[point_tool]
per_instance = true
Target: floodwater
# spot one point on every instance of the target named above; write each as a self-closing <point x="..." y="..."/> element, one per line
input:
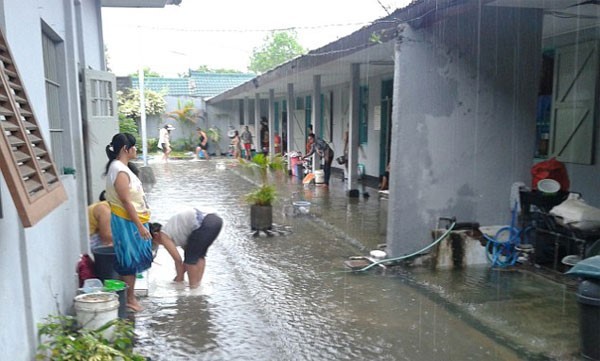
<point x="288" y="297"/>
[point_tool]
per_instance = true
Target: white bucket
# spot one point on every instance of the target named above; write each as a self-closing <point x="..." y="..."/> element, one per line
<point x="319" y="176"/>
<point x="94" y="310"/>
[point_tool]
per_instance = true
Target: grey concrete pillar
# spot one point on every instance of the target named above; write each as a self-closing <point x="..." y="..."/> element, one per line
<point x="316" y="116"/>
<point x="291" y="107"/>
<point x="352" y="184"/>
<point x="271" y="121"/>
<point x="257" y="140"/>
<point x="246" y="111"/>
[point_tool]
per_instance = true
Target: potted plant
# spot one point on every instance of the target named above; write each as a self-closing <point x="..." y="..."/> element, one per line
<point x="261" y="199"/>
<point x="62" y="339"/>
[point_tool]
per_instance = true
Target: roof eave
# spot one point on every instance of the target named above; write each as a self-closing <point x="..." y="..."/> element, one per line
<point x="139" y="3"/>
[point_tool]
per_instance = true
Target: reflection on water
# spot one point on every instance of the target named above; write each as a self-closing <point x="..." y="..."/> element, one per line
<point x="289" y="298"/>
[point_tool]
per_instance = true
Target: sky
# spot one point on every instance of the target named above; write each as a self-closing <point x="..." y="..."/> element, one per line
<point x="223" y="33"/>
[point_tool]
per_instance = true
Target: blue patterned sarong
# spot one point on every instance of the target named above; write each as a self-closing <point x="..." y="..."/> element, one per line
<point x="133" y="253"/>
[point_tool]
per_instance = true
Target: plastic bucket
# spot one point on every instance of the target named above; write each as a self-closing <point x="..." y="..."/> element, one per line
<point x="94" y="310"/>
<point x="319" y="176"/>
<point x="104" y="260"/>
<point x="294" y="161"/>
<point x="120" y="288"/>
<point x="299" y="171"/>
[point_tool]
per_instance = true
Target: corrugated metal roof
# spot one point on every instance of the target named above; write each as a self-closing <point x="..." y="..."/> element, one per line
<point x="197" y="85"/>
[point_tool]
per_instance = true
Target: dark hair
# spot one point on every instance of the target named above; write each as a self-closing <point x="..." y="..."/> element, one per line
<point x="119" y="141"/>
<point x="198" y="129"/>
<point x="155" y="227"/>
<point x="102" y="196"/>
<point x="311" y="135"/>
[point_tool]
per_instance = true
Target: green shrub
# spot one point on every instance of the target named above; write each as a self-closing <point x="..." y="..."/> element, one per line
<point x="62" y="339"/>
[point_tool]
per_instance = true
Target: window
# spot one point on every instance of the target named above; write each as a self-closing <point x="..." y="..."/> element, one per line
<point x="308" y="113"/>
<point x="363" y="114"/>
<point x="58" y="139"/>
<point x="102" y="98"/>
<point x="26" y="164"/>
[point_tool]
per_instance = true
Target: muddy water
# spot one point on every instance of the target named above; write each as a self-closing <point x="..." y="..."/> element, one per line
<point x="288" y="297"/>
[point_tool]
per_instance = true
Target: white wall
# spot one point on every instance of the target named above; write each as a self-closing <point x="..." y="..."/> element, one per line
<point x="37" y="264"/>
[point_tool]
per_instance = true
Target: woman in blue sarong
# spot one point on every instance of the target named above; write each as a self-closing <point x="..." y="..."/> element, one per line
<point x="129" y="214"/>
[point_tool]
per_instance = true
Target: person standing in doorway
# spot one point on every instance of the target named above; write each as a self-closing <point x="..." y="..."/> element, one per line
<point x="264" y="135"/>
<point x="247" y="142"/>
<point x="194" y="231"/>
<point x="129" y="214"/>
<point x="277" y="143"/>
<point x="202" y="144"/>
<point x="324" y="150"/>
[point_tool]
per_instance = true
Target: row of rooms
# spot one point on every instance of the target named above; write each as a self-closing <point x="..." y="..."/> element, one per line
<point x="461" y="114"/>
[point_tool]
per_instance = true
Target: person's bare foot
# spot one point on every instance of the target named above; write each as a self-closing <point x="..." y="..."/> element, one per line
<point x="134" y="306"/>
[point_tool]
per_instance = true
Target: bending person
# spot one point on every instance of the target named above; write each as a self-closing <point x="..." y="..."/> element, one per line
<point x="99" y="223"/>
<point x="130" y="214"/>
<point x="194" y="231"/>
<point x="322" y="148"/>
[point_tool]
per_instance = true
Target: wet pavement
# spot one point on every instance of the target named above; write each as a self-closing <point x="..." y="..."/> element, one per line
<point x="289" y="297"/>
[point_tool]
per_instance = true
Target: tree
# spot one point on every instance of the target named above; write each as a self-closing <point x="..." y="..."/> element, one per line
<point x="148" y="73"/>
<point x="278" y="47"/>
<point x="207" y="69"/>
<point x="129" y="103"/>
<point x="185" y="113"/>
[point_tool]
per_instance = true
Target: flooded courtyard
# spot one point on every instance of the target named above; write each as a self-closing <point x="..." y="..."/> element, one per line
<point x="289" y="297"/>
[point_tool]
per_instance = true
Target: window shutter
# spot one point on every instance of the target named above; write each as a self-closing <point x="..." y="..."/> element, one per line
<point x="26" y="164"/>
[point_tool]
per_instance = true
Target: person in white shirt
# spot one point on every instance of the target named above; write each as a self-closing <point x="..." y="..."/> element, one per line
<point x="164" y="140"/>
<point x="130" y="214"/>
<point x="194" y="231"/>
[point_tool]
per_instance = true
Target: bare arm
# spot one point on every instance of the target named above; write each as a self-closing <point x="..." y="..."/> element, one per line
<point x="205" y="138"/>
<point x="170" y="246"/>
<point x="102" y="214"/>
<point x="122" y="189"/>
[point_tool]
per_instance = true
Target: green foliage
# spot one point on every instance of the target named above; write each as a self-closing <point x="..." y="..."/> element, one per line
<point x="152" y="145"/>
<point x="278" y="47"/>
<point x="129" y="103"/>
<point x="148" y="73"/>
<point x="265" y="194"/>
<point x="61" y="339"/>
<point x="182" y="145"/>
<point x="375" y="38"/>
<point x="128" y="125"/>
<point x="185" y="112"/>
<point x="214" y="134"/>
<point x="206" y="69"/>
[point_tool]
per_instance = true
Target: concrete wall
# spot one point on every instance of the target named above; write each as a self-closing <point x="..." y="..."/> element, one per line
<point x="463" y="120"/>
<point x="37" y="264"/>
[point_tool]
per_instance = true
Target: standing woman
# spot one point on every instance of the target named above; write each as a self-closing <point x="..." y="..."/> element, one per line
<point x="236" y="142"/>
<point x="129" y="214"/>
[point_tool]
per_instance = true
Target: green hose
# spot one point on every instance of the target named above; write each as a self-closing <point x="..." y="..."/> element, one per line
<point x="450" y="228"/>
